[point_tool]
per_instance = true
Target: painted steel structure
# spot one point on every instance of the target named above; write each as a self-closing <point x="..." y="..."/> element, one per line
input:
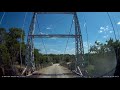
<point x="79" y="50"/>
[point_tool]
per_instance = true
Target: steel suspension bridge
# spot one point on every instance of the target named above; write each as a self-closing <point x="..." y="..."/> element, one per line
<point x="79" y="49"/>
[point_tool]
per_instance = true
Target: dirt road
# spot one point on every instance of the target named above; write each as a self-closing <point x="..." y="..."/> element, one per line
<point x="54" y="71"/>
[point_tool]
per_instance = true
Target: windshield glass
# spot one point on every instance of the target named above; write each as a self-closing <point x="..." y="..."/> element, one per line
<point x="59" y="44"/>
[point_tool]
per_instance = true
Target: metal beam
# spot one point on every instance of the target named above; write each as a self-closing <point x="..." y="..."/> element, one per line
<point x="55" y="35"/>
<point x="29" y="58"/>
<point x="79" y="50"/>
<point x="55" y="12"/>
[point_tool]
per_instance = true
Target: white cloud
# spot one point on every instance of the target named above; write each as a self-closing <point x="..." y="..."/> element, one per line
<point x="107" y="26"/>
<point x="48" y="28"/>
<point x="43" y="33"/>
<point x="100" y="31"/>
<point x="101" y="27"/>
<point x="110" y="31"/>
<point x="84" y="24"/>
<point x="106" y="36"/>
<point x="118" y="23"/>
<point x="105" y="30"/>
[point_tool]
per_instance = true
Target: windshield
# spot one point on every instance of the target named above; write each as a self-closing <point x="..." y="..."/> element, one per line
<point x="59" y="45"/>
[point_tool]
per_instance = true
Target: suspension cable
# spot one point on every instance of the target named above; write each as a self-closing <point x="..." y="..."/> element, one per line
<point x="68" y="38"/>
<point x="57" y="21"/>
<point x="21" y="37"/>
<point x="87" y="37"/>
<point x="115" y="39"/>
<point x="116" y="28"/>
<point x="2" y="17"/>
<point x="41" y="38"/>
<point x="62" y="18"/>
<point x="112" y="25"/>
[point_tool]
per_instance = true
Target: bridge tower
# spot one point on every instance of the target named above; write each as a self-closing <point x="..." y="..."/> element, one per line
<point x="29" y="57"/>
<point x="79" y="50"/>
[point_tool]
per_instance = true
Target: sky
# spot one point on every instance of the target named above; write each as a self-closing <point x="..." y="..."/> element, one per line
<point x="97" y="25"/>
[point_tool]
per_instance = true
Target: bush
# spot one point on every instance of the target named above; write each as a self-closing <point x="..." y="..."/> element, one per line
<point x="90" y="68"/>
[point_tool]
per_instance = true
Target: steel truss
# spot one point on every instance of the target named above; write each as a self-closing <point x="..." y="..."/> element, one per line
<point x="79" y="50"/>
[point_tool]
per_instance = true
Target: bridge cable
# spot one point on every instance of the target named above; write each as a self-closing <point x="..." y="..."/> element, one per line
<point x="58" y="21"/>
<point x="68" y="39"/>
<point x="2" y="17"/>
<point x="113" y="30"/>
<point x="112" y="25"/>
<point x="85" y="25"/>
<point x="116" y="28"/>
<point x="114" y="35"/>
<point x="21" y="37"/>
<point x="115" y="39"/>
<point x="41" y="38"/>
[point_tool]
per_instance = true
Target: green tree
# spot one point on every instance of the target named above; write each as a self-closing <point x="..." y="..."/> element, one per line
<point x="2" y="35"/>
<point x="102" y="55"/>
<point x="37" y="56"/>
<point x="4" y="55"/>
<point x="13" y="43"/>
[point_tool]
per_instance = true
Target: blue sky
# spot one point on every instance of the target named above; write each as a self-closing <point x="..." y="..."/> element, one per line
<point x="98" y="26"/>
